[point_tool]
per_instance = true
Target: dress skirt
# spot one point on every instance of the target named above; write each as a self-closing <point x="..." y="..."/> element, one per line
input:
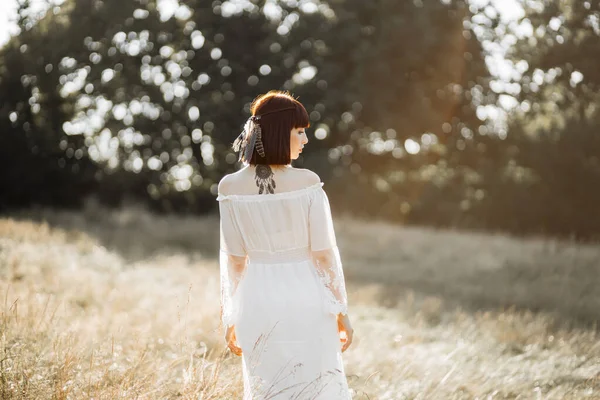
<point x="289" y="339"/>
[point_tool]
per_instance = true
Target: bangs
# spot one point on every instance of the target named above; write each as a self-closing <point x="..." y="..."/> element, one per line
<point x="300" y="118"/>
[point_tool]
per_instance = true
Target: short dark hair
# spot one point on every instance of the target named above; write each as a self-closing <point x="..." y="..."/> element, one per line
<point x="276" y="125"/>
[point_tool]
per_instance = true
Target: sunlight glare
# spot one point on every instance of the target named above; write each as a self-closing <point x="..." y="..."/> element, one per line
<point x="411" y="146"/>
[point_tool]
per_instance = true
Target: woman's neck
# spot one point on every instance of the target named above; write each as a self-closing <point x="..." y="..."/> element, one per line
<point x="274" y="166"/>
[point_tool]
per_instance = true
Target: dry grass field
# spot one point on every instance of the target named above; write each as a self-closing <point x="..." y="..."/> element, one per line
<point x="124" y="305"/>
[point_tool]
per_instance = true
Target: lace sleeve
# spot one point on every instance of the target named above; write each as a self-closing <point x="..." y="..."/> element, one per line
<point x="325" y="253"/>
<point x="232" y="263"/>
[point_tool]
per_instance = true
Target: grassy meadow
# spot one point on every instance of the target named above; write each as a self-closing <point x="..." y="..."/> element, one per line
<point x="124" y="304"/>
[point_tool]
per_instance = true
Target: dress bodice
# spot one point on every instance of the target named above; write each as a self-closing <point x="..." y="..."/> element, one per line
<point x="272" y="227"/>
<point x="278" y="232"/>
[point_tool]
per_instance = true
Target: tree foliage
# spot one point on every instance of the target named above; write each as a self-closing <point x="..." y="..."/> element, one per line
<point x="550" y="182"/>
<point x="168" y="94"/>
<point x="123" y="99"/>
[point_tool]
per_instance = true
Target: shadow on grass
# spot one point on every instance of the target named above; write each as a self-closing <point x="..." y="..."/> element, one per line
<point x="472" y="271"/>
<point x="136" y="234"/>
<point x="476" y="272"/>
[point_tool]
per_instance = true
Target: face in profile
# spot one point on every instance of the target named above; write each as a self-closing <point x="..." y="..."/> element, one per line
<point x="298" y="139"/>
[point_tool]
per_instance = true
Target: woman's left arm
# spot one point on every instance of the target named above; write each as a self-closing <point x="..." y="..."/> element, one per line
<point x="232" y="263"/>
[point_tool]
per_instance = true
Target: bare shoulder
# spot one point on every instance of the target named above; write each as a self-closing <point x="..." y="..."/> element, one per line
<point x="297" y="178"/>
<point x="227" y="183"/>
<point x="307" y="176"/>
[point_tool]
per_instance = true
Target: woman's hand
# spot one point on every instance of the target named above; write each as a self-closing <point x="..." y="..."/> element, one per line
<point x="231" y="341"/>
<point x="345" y="331"/>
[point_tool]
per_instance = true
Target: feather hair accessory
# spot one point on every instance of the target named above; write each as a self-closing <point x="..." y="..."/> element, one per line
<point x="251" y="137"/>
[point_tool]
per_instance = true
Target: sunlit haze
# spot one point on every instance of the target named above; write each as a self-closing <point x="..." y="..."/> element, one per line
<point x="504" y="71"/>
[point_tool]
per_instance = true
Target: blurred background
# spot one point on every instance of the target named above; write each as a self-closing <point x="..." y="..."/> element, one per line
<point x="476" y="114"/>
<point x="464" y="131"/>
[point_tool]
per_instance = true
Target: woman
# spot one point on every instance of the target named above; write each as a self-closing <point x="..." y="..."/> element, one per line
<point x="283" y="296"/>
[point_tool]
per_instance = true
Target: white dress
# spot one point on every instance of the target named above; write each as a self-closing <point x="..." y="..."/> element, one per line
<point x="284" y="302"/>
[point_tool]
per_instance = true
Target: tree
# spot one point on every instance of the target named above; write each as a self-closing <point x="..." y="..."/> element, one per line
<point x="40" y="164"/>
<point x="550" y="180"/>
<point x="400" y="78"/>
<point x="391" y="87"/>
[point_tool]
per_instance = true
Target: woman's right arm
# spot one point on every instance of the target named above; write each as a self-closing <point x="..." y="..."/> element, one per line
<point x="328" y="264"/>
<point x="325" y="252"/>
